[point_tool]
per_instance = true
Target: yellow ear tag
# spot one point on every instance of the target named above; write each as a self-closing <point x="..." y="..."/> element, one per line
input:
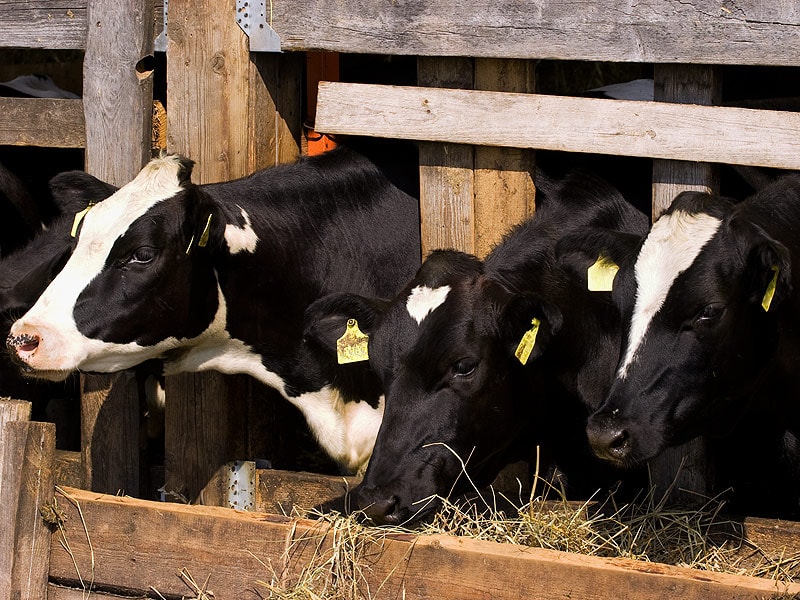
<point x="78" y="218"/>
<point x="203" y="237"/>
<point x="352" y="346"/>
<point x="601" y="274"/>
<point x="528" y="341"/>
<point x="766" y="301"/>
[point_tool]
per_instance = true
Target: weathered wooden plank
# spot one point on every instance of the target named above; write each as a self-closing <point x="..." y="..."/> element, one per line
<point x="53" y="24"/>
<point x="110" y="433"/>
<point x="141" y="546"/>
<point x="55" y="123"/>
<point x="118" y="89"/>
<point x="630" y="128"/>
<point x="11" y="410"/>
<point x="695" y="31"/>
<point x="27" y="474"/>
<point x="446" y="171"/>
<point x="68" y="468"/>
<point x="504" y="189"/>
<point x="282" y="492"/>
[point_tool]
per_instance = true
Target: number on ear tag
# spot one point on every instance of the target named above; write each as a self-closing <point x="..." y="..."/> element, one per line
<point x="353" y="345"/>
<point x="766" y="301"/>
<point x="527" y="343"/>
<point x="78" y="218"/>
<point x="601" y="274"/>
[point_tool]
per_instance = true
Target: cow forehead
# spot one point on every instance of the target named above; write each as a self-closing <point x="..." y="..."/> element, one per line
<point x="112" y="217"/>
<point x="423" y="300"/>
<point x="671" y="247"/>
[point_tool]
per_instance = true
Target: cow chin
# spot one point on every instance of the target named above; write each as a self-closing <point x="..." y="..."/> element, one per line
<point x="47" y="375"/>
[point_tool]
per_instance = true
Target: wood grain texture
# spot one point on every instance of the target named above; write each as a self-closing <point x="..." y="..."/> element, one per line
<point x="54" y="24"/>
<point x="446" y="171"/>
<point x="659" y="31"/>
<point x="110" y="424"/>
<point x="141" y="546"/>
<point x="27" y="475"/>
<point x="117" y="92"/>
<point x="54" y="123"/>
<point x="631" y="128"/>
<point x="504" y="189"/>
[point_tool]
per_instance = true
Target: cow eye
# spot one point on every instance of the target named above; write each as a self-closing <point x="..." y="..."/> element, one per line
<point x="464" y="367"/>
<point x="142" y="255"/>
<point x="709" y="313"/>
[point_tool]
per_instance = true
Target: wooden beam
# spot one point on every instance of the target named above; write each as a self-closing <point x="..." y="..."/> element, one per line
<point x="504" y="189"/>
<point x="231" y="552"/>
<point x="630" y="128"/>
<point x="54" y="123"/>
<point x="649" y="31"/>
<point x="48" y="24"/>
<point x="27" y="476"/>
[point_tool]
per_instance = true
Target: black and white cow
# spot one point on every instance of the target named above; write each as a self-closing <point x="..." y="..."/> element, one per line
<point x="714" y="334"/>
<point x="28" y="269"/>
<point x="445" y="349"/>
<point x="218" y="277"/>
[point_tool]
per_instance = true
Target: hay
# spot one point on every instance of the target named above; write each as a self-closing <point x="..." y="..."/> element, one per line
<point x="645" y="529"/>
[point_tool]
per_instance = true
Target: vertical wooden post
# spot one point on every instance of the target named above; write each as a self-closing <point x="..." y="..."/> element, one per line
<point x="110" y="430"/>
<point x="11" y="410"/>
<point x="685" y="466"/>
<point x="504" y="188"/>
<point x="28" y="485"/>
<point x="446" y="186"/>
<point x="118" y="106"/>
<point x="470" y="196"/>
<point x="232" y="113"/>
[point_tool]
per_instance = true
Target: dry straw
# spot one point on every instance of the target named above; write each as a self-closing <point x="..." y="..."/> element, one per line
<point x="646" y="529"/>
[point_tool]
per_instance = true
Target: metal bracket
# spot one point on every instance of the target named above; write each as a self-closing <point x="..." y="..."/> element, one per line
<point x="242" y="484"/>
<point x="160" y="43"/>
<point x="251" y="16"/>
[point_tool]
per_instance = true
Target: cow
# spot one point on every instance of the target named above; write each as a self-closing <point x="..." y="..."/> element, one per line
<point x="460" y="404"/>
<point x="26" y="271"/>
<point x="218" y="276"/>
<point x="712" y="342"/>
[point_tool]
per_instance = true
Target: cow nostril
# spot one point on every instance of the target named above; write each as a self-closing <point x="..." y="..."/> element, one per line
<point x="22" y="342"/>
<point x="609" y="441"/>
<point x="379" y="511"/>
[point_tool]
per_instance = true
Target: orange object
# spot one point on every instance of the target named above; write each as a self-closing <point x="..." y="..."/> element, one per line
<point x="320" y="66"/>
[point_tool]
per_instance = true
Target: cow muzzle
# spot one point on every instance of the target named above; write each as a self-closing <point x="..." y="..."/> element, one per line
<point x="610" y="439"/>
<point x="22" y="347"/>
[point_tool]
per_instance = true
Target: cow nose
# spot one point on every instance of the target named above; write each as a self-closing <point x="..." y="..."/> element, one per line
<point x="379" y="511"/>
<point x="22" y="345"/>
<point x="609" y="439"/>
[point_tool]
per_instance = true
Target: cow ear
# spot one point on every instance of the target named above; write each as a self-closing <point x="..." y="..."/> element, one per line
<point x="767" y="273"/>
<point x="72" y="191"/>
<point x="326" y="319"/>
<point x="527" y="324"/>
<point x="593" y="258"/>
<point x="205" y="224"/>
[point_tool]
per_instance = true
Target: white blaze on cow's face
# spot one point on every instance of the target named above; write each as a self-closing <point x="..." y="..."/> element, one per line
<point x="670" y="248"/>
<point x="61" y="348"/>
<point x="424" y="300"/>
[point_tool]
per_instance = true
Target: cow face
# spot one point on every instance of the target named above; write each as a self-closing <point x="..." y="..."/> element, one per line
<point x="708" y="288"/>
<point x="137" y="286"/>
<point x="444" y="352"/>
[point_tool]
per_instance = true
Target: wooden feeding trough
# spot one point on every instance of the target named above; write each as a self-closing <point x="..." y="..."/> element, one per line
<point x="478" y="120"/>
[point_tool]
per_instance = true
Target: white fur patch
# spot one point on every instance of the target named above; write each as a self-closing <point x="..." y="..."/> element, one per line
<point x="241" y="238"/>
<point x="670" y="248"/>
<point x="424" y="300"/>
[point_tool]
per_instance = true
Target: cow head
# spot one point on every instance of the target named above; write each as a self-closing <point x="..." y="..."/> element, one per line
<point x="139" y="283"/>
<point x="26" y="273"/>
<point x="444" y="350"/>
<point x="709" y="287"/>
